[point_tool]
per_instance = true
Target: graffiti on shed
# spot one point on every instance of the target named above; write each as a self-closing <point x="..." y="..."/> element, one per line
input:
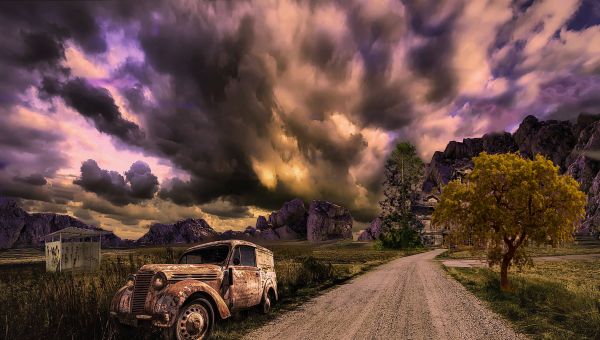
<point x="73" y="249"/>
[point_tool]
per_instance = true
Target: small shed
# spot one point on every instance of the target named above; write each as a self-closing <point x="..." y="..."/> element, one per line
<point x="73" y="249"/>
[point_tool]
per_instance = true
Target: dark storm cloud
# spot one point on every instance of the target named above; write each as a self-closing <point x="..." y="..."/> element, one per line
<point x="25" y="176"/>
<point x="431" y="60"/>
<point x="96" y="104"/>
<point x="33" y="41"/>
<point x="85" y="216"/>
<point x="143" y="183"/>
<point x="384" y="102"/>
<point x="41" y="47"/>
<point x="138" y="184"/>
<point x="225" y="209"/>
<point x="321" y="50"/>
<point x="587" y="15"/>
<point x="218" y="86"/>
<point x="33" y="179"/>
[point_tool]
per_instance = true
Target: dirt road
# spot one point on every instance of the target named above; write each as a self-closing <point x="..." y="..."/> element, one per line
<point x="408" y="298"/>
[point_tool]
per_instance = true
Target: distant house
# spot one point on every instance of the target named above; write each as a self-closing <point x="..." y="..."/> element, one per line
<point x="73" y="249"/>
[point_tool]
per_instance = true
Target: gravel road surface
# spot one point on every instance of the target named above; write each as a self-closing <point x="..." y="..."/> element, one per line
<point x="408" y="298"/>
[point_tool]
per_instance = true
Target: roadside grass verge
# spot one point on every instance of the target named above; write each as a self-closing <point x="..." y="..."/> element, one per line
<point x="469" y="252"/>
<point x="35" y="304"/>
<point x="552" y="300"/>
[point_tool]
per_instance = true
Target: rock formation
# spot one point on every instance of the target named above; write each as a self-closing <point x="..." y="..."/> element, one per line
<point x="185" y="231"/>
<point x="21" y="229"/>
<point x="574" y="147"/>
<point x="327" y="221"/>
<point x="372" y="232"/>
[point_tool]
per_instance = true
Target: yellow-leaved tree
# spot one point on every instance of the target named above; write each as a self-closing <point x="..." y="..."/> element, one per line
<point x="508" y="202"/>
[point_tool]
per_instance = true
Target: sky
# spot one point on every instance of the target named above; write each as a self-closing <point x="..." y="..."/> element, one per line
<point x="124" y="114"/>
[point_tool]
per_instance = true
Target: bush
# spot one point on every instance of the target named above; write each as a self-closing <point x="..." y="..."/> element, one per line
<point x="402" y="238"/>
<point x="314" y="272"/>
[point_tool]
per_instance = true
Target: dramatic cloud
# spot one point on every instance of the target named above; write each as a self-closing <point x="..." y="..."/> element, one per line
<point x="138" y="184"/>
<point x="97" y="104"/>
<point x="239" y="106"/>
<point x="33" y="179"/>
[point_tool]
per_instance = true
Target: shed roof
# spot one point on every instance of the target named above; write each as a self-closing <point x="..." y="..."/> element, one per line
<point x="72" y="232"/>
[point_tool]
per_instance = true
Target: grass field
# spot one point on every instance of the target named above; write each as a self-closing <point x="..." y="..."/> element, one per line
<point x="552" y="300"/>
<point x="35" y="304"/>
<point x="579" y="247"/>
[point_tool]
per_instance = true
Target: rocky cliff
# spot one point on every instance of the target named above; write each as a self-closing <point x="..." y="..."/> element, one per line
<point x="573" y="146"/>
<point x="328" y="221"/>
<point x="324" y="221"/>
<point x="21" y="229"/>
<point x="185" y="231"/>
<point x="292" y="222"/>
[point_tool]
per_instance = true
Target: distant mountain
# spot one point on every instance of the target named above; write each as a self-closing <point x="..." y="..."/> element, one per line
<point x="21" y="229"/>
<point x="574" y="147"/>
<point x="185" y="231"/>
<point x="322" y="221"/>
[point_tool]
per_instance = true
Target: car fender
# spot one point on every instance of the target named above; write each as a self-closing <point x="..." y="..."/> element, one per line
<point x="270" y="284"/>
<point x="176" y="294"/>
<point x="121" y="300"/>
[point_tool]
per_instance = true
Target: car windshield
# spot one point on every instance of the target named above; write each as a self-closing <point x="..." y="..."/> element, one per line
<point x="209" y="255"/>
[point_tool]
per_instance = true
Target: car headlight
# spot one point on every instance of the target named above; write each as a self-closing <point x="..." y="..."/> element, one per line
<point x="130" y="281"/>
<point x="159" y="281"/>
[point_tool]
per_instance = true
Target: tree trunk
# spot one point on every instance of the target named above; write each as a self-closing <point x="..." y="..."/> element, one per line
<point x="504" y="284"/>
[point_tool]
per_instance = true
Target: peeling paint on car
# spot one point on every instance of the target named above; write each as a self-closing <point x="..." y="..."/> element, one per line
<point x="140" y="303"/>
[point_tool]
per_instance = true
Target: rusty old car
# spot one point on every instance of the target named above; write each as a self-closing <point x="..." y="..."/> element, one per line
<point x="210" y="282"/>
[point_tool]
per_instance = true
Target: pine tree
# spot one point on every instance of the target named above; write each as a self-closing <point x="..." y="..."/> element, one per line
<point x="403" y="171"/>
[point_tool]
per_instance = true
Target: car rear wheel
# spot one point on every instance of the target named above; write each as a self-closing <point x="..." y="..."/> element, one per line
<point x="194" y="321"/>
<point x="267" y="302"/>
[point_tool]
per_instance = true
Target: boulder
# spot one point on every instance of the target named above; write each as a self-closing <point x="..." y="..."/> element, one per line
<point x="269" y="235"/>
<point x="327" y="221"/>
<point x="261" y="223"/>
<point x="373" y="231"/>
<point x="250" y="230"/>
<point x="292" y="214"/>
<point x="286" y="233"/>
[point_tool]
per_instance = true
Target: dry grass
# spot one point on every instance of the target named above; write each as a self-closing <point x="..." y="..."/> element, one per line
<point x="35" y="304"/>
<point x="576" y="248"/>
<point x="552" y="300"/>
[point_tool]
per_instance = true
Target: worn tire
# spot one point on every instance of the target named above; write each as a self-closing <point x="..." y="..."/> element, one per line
<point x="267" y="302"/>
<point x="195" y="320"/>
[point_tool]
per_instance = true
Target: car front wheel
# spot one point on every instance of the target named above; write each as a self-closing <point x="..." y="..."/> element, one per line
<point x="194" y="321"/>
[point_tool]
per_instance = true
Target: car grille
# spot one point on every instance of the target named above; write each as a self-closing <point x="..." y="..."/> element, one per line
<point x="201" y="277"/>
<point x="140" y="291"/>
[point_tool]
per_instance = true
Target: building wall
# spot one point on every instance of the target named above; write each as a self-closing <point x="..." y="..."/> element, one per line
<point x="72" y="255"/>
<point x="53" y="256"/>
<point x="80" y="255"/>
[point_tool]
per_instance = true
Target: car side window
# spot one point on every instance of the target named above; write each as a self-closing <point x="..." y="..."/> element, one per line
<point x="244" y="256"/>
<point x="248" y="256"/>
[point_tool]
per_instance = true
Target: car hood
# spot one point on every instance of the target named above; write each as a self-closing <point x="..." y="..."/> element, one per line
<point x="182" y="271"/>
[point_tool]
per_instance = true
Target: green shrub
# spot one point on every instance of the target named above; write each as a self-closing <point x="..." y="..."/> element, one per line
<point x="402" y="238"/>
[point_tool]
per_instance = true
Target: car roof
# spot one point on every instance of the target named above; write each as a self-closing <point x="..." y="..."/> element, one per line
<point x="231" y="243"/>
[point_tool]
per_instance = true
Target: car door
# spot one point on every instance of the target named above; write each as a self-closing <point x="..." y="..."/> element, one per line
<point x="246" y="279"/>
